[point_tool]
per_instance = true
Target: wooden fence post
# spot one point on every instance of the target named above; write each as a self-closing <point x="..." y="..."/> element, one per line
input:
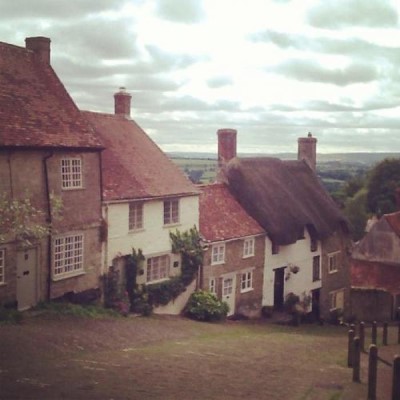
<point x="398" y="334"/>
<point x="396" y="378"/>
<point x="350" y="346"/>
<point x="361" y="330"/>
<point x="374" y="333"/>
<point x="356" y="359"/>
<point x="385" y="334"/>
<point x="353" y="328"/>
<point x="372" y="371"/>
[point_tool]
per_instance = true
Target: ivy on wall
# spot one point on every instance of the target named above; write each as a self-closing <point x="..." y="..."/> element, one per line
<point x="143" y="298"/>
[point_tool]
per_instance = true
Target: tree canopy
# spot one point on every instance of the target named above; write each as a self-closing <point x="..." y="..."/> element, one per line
<point x="384" y="180"/>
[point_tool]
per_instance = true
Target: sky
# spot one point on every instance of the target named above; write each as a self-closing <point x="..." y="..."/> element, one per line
<point x="274" y="70"/>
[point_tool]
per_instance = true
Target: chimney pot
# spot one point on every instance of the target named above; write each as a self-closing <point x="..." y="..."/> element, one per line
<point x="40" y="45"/>
<point x="122" y="102"/>
<point x="226" y="145"/>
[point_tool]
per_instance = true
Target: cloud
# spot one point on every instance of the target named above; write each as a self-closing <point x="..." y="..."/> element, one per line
<point x="311" y="71"/>
<point x="219" y="81"/>
<point x="54" y="9"/>
<point x="335" y="14"/>
<point x="187" y="11"/>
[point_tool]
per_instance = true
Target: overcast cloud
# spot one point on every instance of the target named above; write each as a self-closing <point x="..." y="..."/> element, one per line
<point x="272" y="69"/>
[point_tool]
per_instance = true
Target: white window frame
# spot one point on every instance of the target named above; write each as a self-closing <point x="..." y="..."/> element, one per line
<point x="249" y="247"/>
<point x="212" y="286"/>
<point x="334" y="299"/>
<point x="171" y="212"/>
<point x="2" y="266"/>
<point x="135" y="217"/>
<point x="157" y="268"/>
<point x="246" y="281"/>
<point x="218" y="254"/>
<point x="68" y="255"/>
<point x="71" y="173"/>
<point x="333" y="262"/>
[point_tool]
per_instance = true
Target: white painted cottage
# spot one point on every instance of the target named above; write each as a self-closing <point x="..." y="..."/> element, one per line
<point x="145" y="197"/>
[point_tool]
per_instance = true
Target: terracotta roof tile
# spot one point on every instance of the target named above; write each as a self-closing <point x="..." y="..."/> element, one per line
<point x="393" y="220"/>
<point x="134" y="167"/>
<point x="35" y="108"/>
<point x="222" y="217"/>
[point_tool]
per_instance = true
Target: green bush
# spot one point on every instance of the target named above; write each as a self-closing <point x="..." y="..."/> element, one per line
<point x="204" y="306"/>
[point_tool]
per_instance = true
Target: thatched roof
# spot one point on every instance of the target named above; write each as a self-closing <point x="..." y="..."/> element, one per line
<point x="284" y="197"/>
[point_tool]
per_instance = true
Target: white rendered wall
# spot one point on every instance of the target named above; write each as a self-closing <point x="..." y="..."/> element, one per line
<point x="154" y="238"/>
<point x="299" y="254"/>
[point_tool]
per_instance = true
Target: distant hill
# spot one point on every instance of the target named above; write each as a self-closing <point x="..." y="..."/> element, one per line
<point x="353" y="158"/>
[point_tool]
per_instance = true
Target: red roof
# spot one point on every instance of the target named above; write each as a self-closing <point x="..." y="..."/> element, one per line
<point x="222" y="217"/>
<point x="133" y="165"/>
<point x="394" y="221"/>
<point x="35" y="108"/>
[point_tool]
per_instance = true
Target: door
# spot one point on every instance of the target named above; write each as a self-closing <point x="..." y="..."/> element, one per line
<point x="315" y="304"/>
<point x="26" y="278"/>
<point x="228" y="292"/>
<point x="279" y="282"/>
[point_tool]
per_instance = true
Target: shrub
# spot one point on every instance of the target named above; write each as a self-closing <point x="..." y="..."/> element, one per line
<point x="204" y="306"/>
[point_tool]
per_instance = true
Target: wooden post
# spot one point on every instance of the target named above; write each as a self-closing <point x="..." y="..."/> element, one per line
<point x="361" y="329"/>
<point x="374" y="333"/>
<point x="356" y="359"/>
<point x="372" y="371"/>
<point x="350" y="347"/>
<point x="385" y="334"/>
<point x="396" y="378"/>
<point x="353" y="328"/>
<point x="398" y="334"/>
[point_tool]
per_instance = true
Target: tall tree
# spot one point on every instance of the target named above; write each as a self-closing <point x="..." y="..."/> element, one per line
<point x="384" y="180"/>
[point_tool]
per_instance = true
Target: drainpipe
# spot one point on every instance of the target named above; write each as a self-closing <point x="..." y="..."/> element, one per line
<point x="49" y="221"/>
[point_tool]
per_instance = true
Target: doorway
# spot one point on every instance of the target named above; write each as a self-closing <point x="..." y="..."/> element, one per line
<point x="228" y="292"/>
<point x="26" y="278"/>
<point x="279" y="286"/>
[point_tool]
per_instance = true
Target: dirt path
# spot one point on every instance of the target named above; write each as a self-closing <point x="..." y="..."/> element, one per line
<point x="172" y="358"/>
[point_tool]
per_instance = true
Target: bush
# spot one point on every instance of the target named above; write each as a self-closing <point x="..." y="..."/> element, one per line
<point x="204" y="306"/>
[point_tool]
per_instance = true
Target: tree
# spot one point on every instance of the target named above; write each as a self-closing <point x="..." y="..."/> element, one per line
<point x="356" y="212"/>
<point x="384" y="180"/>
<point x="20" y="220"/>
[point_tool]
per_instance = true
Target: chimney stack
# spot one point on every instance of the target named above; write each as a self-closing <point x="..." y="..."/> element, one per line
<point x="40" y="46"/>
<point x="307" y="150"/>
<point x="226" y="145"/>
<point x="122" y="103"/>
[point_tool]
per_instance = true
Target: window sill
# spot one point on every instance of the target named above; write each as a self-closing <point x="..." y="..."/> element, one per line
<point x="218" y="263"/>
<point x="171" y="225"/>
<point x="3" y="284"/>
<point x="246" y="290"/>
<point x="72" y="188"/>
<point x="317" y="280"/>
<point x="333" y="271"/>
<point x="133" y="231"/>
<point x="67" y="276"/>
<point x="157" y="281"/>
<point x="248" y="256"/>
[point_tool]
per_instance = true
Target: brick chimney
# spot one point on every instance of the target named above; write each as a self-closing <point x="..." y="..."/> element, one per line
<point x="40" y="45"/>
<point x="307" y="150"/>
<point x="226" y="145"/>
<point x="122" y="102"/>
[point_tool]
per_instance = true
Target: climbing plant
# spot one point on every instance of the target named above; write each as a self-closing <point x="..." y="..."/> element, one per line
<point x="20" y="220"/>
<point x="144" y="297"/>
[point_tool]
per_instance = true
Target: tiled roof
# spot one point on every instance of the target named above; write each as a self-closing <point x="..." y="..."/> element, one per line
<point x="285" y="197"/>
<point x="35" y="108"/>
<point x="222" y="217"/>
<point x="393" y="220"/>
<point x="134" y="167"/>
